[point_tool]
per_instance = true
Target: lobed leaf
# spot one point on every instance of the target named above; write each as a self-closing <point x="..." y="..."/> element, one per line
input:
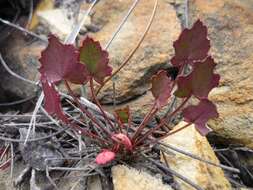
<point x="123" y="114"/>
<point x="52" y="100"/>
<point x="200" y="114"/>
<point x="192" y="45"/>
<point x="60" y="61"/>
<point x="123" y="139"/>
<point x="200" y="81"/>
<point x="95" y="59"/>
<point x="161" y="88"/>
<point x="105" y="157"/>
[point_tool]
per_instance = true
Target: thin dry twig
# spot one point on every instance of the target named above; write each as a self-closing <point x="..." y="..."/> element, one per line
<point x="135" y="49"/>
<point x="122" y="23"/>
<point x="12" y="160"/>
<point x="23" y="30"/>
<point x="13" y="73"/>
<point x="160" y="165"/>
<point x="235" y="170"/>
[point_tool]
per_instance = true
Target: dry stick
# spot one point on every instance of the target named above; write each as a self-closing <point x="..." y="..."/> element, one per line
<point x="134" y="50"/>
<point x="160" y="165"/>
<point x="89" y="105"/>
<point x="16" y="102"/>
<point x="114" y="35"/>
<point x="22" y="175"/>
<point x="30" y="14"/>
<point x="165" y="159"/>
<point x="50" y="179"/>
<point x="78" y="121"/>
<point x="4" y="152"/>
<point x="199" y="158"/>
<point x="85" y="110"/>
<point x="5" y="164"/>
<point x="34" y="139"/>
<point x="186" y="13"/>
<point x="33" y="119"/>
<point x="122" y="23"/>
<point x="23" y="30"/>
<point x="12" y="160"/>
<point x="13" y="73"/>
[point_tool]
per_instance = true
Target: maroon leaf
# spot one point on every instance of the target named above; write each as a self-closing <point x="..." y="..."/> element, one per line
<point x="161" y="88"/>
<point x="200" y="114"/>
<point x="192" y="45"/>
<point x="52" y="100"/>
<point x="95" y="59"/>
<point x="123" y="114"/>
<point x="105" y="157"/>
<point x="123" y="139"/>
<point x="200" y="81"/>
<point x="59" y="61"/>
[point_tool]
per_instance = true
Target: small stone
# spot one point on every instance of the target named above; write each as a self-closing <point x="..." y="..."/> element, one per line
<point x="206" y="176"/>
<point x="125" y="178"/>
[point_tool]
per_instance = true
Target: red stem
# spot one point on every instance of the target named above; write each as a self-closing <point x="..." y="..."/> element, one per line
<point x="98" y="104"/>
<point x="144" y="122"/>
<point x="85" y="132"/>
<point x="175" y="131"/>
<point x="163" y="121"/>
<point x="85" y="110"/>
<point x="153" y="141"/>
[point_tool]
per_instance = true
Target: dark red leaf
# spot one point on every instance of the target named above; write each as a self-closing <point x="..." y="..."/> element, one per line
<point x="105" y="157"/>
<point x="123" y="114"/>
<point x="95" y="59"/>
<point x="123" y="139"/>
<point x="161" y="88"/>
<point x="200" y="81"/>
<point x="59" y="61"/>
<point x="52" y="100"/>
<point x="200" y="114"/>
<point x="192" y="45"/>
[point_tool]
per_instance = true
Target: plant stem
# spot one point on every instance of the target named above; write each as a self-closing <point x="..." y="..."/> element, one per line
<point x="98" y="104"/>
<point x="85" y="110"/>
<point x="134" y="50"/>
<point x="144" y="122"/>
<point x="164" y="120"/>
<point x="175" y="131"/>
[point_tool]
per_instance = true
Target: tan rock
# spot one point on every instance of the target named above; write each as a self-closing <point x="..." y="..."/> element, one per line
<point x="202" y="174"/>
<point x="133" y="80"/>
<point x="230" y="29"/>
<point x="58" y="22"/>
<point x="125" y="178"/>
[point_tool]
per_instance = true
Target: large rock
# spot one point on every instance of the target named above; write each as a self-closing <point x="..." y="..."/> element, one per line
<point x="206" y="176"/>
<point x="230" y="30"/>
<point x="59" y="23"/>
<point x="133" y="80"/>
<point x="125" y="178"/>
<point x="21" y="55"/>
